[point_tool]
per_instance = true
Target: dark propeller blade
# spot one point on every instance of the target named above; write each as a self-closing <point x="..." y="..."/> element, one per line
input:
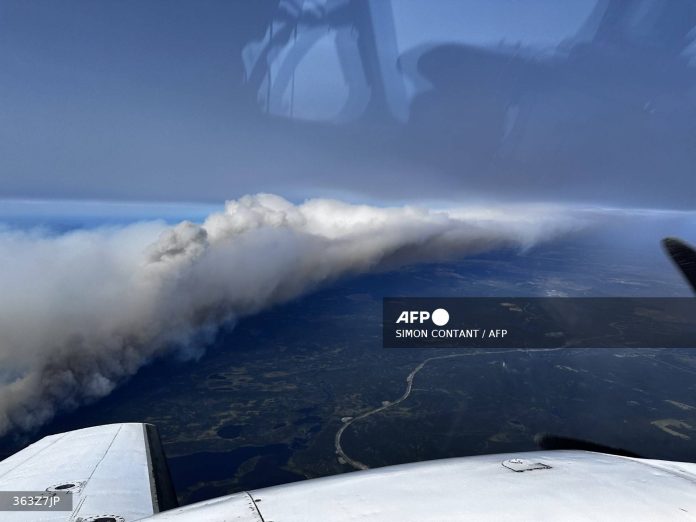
<point x="684" y="256"/>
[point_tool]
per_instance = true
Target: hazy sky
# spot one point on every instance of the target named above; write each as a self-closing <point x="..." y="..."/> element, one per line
<point x="134" y="100"/>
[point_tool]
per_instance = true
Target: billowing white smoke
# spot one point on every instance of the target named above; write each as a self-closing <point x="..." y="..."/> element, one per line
<point x="80" y="312"/>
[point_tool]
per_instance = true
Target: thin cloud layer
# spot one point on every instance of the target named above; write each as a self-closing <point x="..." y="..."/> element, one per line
<point x="82" y="311"/>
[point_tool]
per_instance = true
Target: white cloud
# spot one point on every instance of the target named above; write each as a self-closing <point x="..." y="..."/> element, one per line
<point x="82" y="311"/>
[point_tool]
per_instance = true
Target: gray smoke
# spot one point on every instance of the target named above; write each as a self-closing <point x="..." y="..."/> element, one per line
<point x="82" y="311"/>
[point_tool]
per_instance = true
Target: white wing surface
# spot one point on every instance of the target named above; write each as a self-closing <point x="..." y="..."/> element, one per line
<point x="115" y="473"/>
<point x="119" y="474"/>
<point x="539" y="486"/>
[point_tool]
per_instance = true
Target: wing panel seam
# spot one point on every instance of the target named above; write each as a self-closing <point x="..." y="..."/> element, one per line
<point x="253" y="503"/>
<point x="104" y="455"/>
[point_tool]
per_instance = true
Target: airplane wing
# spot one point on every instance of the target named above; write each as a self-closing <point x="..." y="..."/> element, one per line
<point x="118" y="474"/>
<point x="115" y="473"/>
<point x="684" y="256"/>
<point x="544" y="485"/>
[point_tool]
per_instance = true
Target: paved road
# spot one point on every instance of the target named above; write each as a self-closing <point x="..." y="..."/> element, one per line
<point x="409" y="386"/>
